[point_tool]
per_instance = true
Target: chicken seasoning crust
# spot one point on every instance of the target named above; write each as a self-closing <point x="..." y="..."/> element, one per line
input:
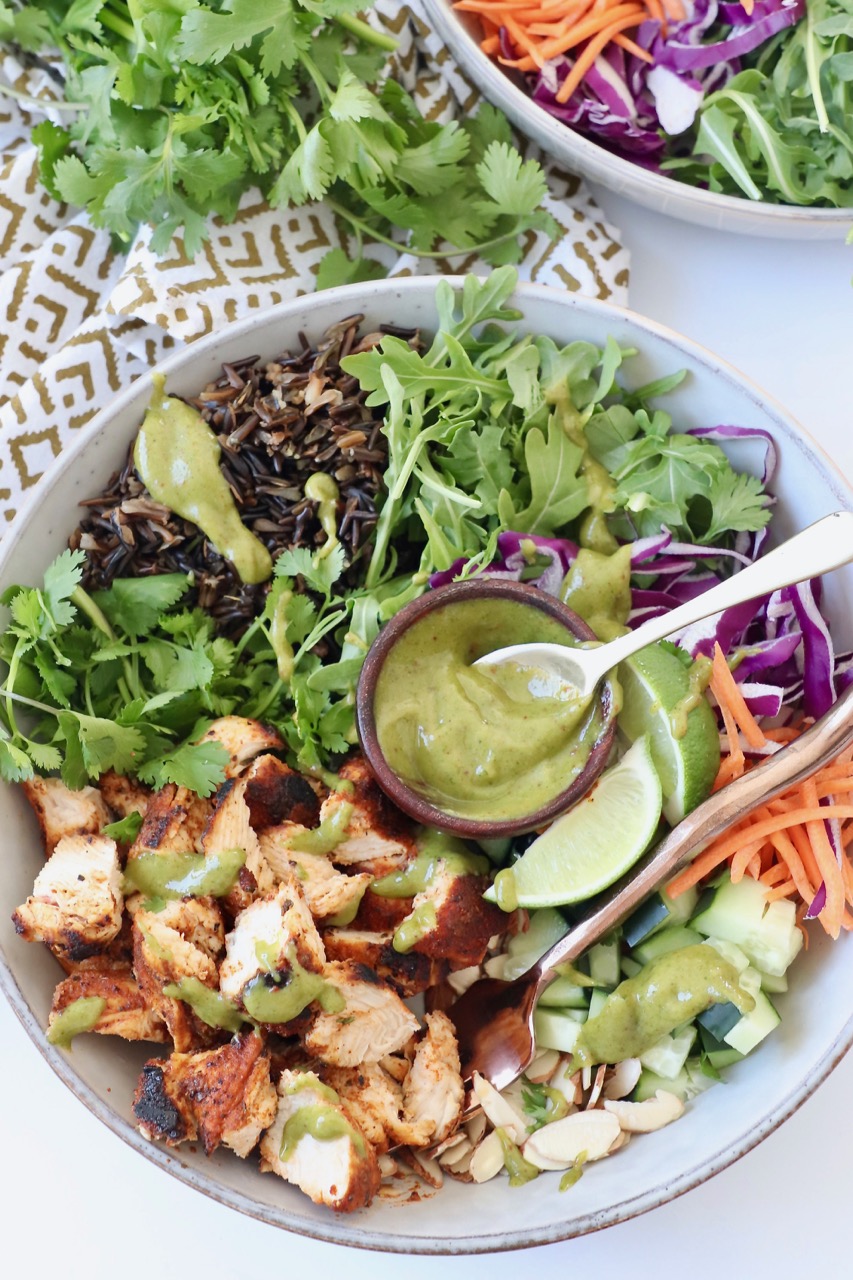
<point x="288" y="1027"/>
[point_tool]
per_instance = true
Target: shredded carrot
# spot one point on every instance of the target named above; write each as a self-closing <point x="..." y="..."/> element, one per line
<point x="785" y="843"/>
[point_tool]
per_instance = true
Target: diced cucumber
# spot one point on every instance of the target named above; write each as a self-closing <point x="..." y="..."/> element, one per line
<point x="666" y="940"/>
<point x="496" y="848"/>
<point x="689" y="1081"/>
<point x="774" y="985"/>
<point x="556" y="1029"/>
<point x="667" y="1057"/>
<point x="604" y="963"/>
<point x="630" y="968"/>
<point x="546" y="927"/>
<point x="720" y="1018"/>
<point x="718" y="1053"/>
<point x="751" y="1029"/>
<point x="597" y="1001"/>
<point x="766" y="932"/>
<point x="658" y="912"/>
<point x="563" y="993"/>
<point x="729" y="952"/>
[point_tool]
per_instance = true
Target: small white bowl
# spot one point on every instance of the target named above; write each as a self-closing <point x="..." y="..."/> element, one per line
<point x="817" y="1026"/>
<point x="460" y="33"/>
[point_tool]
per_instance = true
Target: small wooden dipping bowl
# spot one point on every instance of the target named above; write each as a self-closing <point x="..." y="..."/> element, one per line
<point x="413" y="802"/>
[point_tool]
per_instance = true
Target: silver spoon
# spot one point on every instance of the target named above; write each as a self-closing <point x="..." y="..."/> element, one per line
<point x="494" y="1019"/>
<point x="824" y="545"/>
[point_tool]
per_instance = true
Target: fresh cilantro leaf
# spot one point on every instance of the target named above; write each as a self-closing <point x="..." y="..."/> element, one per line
<point x="15" y="764"/>
<point x="336" y="269"/>
<point x="535" y="1103"/>
<point x="677" y="652"/>
<point x="104" y="744"/>
<point x="125" y="830"/>
<point x="738" y="502"/>
<point x="515" y="185"/>
<point x="134" y="605"/>
<point x="320" y="572"/>
<point x="198" y="766"/>
<point x="176" y="668"/>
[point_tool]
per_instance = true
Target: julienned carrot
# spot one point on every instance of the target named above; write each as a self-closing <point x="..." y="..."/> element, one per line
<point x="587" y="57"/>
<point x="784" y="843"/>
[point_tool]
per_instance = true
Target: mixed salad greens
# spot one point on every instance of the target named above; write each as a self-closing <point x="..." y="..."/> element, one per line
<point x="171" y="110"/>
<point x="748" y="98"/>
<point x="510" y="456"/>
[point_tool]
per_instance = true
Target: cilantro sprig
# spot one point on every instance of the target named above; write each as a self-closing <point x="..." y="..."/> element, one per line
<point x="173" y="109"/>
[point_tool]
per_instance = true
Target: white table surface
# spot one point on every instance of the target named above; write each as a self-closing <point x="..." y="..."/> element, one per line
<point x="75" y="1201"/>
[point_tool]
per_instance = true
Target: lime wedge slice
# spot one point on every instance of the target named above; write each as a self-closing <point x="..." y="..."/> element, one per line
<point x="593" y="844"/>
<point x="659" y="699"/>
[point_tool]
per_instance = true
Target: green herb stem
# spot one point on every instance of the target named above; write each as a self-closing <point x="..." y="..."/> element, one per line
<point x="484" y="246"/>
<point x="361" y="29"/>
<point x="84" y="602"/>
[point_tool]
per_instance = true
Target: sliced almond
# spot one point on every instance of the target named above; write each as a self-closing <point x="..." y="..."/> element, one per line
<point x="449" y="1143"/>
<point x="543" y="1066"/>
<point x="487" y="1160"/>
<point x="645" y="1117"/>
<point x="476" y="1128"/>
<point x="388" y="1166"/>
<point x="501" y="1113"/>
<point x="558" y="1145"/>
<point x="495" y="966"/>
<point x="462" y="979"/>
<point x="568" y="1083"/>
<point x="427" y="1168"/>
<point x="622" y="1141"/>
<point x="458" y="1160"/>
<point x="597" y="1085"/>
<point x="622" y="1079"/>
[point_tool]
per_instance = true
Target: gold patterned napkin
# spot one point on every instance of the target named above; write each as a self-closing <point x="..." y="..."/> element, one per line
<point x="80" y="322"/>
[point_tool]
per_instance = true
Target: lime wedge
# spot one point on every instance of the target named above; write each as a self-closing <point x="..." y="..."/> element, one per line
<point x="593" y="844"/>
<point x="659" y="699"/>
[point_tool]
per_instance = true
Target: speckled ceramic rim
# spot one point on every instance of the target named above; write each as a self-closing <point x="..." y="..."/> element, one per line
<point x="411" y="802"/>
<point x="653" y="190"/>
<point x="335" y="1230"/>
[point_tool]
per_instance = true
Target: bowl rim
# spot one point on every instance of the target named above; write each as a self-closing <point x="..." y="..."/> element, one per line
<point x="593" y="161"/>
<point x="406" y="797"/>
<point x="329" y="1230"/>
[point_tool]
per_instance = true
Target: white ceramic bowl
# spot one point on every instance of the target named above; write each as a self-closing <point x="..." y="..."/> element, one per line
<point x="722" y="1124"/>
<point x="460" y="33"/>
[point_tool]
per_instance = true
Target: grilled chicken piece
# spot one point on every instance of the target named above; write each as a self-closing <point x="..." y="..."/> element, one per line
<point x="327" y="891"/>
<point x="173" y="822"/>
<point x="341" y="1172"/>
<point x="375" y="1100"/>
<point x="162" y="956"/>
<point x="379" y="838"/>
<point x="433" y="1092"/>
<point x="124" y="795"/>
<point x="409" y="973"/>
<point x="282" y="929"/>
<point x="125" y="1012"/>
<point x="223" y="1096"/>
<point x="243" y="740"/>
<point x="198" y="921"/>
<point x="461" y="922"/>
<point x="378" y="914"/>
<point x="276" y="793"/>
<point x="373" y="1022"/>
<point x="62" y="812"/>
<point x="76" y="904"/>
<point x="229" y="828"/>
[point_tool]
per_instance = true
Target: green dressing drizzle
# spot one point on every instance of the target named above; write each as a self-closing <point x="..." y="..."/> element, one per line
<point x="82" y="1015"/>
<point x="185" y="875"/>
<point x="208" y="1005"/>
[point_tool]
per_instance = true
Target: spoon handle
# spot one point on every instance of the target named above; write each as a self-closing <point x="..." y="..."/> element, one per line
<point x="818" y="745"/>
<point x="824" y="545"/>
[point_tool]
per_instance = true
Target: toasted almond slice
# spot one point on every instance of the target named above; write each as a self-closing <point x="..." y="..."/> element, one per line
<point x="425" y="1167"/>
<point x="449" y="1143"/>
<point x="495" y="966"/>
<point x="568" y="1083"/>
<point x="388" y="1166"/>
<point x="543" y="1066"/>
<point x="476" y="1128"/>
<point x="488" y="1159"/>
<point x="459" y="1158"/>
<point x="597" y="1085"/>
<point x="622" y="1079"/>
<point x="558" y="1145"/>
<point x="645" y="1117"/>
<point x="461" y="979"/>
<point x="501" y="1113"/>
<point x="622" y="1141"/>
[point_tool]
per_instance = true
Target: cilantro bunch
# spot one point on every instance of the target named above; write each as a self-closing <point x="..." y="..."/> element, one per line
<point x="173" y="109"/>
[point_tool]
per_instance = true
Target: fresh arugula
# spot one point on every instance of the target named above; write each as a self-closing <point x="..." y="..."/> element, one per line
<point x="174" y="108"/>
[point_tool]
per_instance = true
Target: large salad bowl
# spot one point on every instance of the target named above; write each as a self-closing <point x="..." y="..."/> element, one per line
<point x="722" y="1124"/>
<point x="579" y="154"/>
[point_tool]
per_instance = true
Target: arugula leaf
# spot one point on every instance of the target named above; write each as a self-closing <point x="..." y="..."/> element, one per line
<point x="558" y="492"/>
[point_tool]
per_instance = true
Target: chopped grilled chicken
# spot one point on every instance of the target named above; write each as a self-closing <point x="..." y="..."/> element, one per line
<point x="282" y="930"/>
<point x="378" y="914"/>
<point x="327" y="891"/>
<point x="223" y="1096"/>
<point x="342" y="1171"/>
<point x="173" y="822"/>
<point x="199" y="921"/>
<point x="379" y="838"/>
<point x="375" y="1100"/>
<point x="162" y="956"/>
<point x="124" y="795"/>
<point x="61" y="812"/>
<point x="243" y="740"/>
<point x="373" y="1022"/>
<point x="276" y="793"/>
<point x="433" y="1092"/>
<point x="76" y="904"/>
<point x="125" y="1012"/>
<point x="409" y="973"/>
<point x="461" y="922"/>
<point x="229" y="828"/>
